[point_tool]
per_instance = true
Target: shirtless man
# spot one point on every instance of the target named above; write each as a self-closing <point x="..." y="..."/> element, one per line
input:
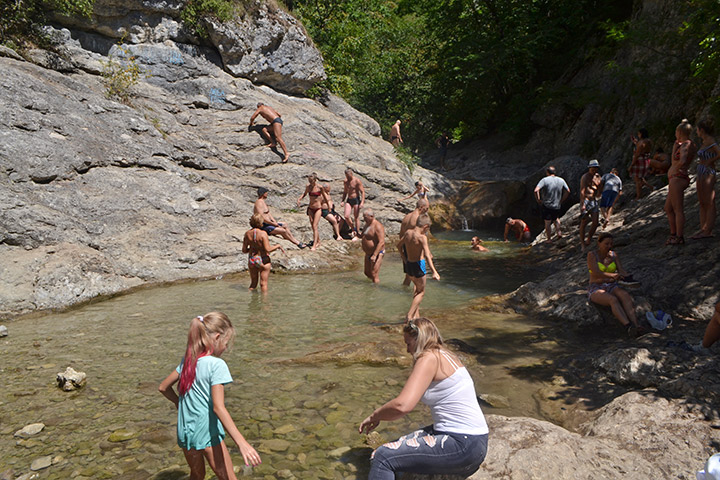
<point x="373" y="244"/>
<point x="395" y="137"/>
<point x="415" y="252"/>
<point x="476" y="245"/>
<point x="270" y="225"/>
<point x="522" y="231"/>
<point x="353" y="197"/>
<point x="408" y="222"/>
<point x="590" y="207"/>
<point x="276" y="123"/>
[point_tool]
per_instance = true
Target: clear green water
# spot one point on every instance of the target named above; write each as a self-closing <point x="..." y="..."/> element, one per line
<point x="293" y="413"/>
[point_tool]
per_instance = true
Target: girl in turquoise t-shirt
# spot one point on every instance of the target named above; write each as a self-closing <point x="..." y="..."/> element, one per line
<point x="201" y="400"/>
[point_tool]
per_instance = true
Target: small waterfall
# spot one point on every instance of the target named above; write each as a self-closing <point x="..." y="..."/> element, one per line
<point x="464" y="222"/>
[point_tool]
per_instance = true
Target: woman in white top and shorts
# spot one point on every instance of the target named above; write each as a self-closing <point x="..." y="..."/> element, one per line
<point x="456" y="443"/>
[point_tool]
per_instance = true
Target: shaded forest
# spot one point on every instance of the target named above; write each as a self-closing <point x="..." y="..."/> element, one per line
<point x="476" y="67"/>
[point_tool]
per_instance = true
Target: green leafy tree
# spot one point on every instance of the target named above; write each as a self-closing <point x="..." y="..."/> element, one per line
<point x="20" y="19"/>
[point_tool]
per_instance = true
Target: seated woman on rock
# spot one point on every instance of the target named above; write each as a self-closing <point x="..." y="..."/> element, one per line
<point x="605" y="273"/>
<point x="456" y="443"/>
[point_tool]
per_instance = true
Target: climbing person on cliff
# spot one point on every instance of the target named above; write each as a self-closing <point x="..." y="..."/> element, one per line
<point x="521" y="229"/>
<point x="606" y="273"/>
<point x="477" y="246"/>
<point x="550" y="193"/>
<point x="415" y="253"/>
<point x="420" y="190"/>
<point x="590" y="207"/>
<point x="678" y="180"/>
<point x="353" y="197"/>
<point x="276" y="124"/>
<point x="373" y="244"/>
<point x="707" y="156"/>
<point x="640" y="161"/>
<point x="421" y="207"/>
<point x="395" y="137"/>
<point x="270" y="225"/>
<point x="611" y="190"/>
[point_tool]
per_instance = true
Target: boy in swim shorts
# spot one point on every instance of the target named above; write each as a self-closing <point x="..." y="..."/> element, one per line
<point x="415" y="252"/>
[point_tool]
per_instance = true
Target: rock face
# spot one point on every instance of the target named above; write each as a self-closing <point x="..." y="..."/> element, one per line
<point x="265" y="44"/>
<point x="97" y="197"/>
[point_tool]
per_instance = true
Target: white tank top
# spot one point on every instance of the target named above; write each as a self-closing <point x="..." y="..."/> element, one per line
<point x="453" y="403"/>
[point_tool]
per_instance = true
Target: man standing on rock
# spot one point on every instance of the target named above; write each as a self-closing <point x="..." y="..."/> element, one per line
<point x="409" y="222"/>
<point x="353" y="197"/>
<point x="276" y="123"/>
<point x="550" y="193"/>
<point x="590" y="207"/>
<point x="270" y="225"/>
<point x="395" y="137"/>
<point x="522" y="231"/>
<point x="415" y="253"/>
<point x="373" y="244"/>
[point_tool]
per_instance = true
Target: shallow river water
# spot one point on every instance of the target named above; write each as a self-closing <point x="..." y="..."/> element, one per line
<point x="302" y="417"/>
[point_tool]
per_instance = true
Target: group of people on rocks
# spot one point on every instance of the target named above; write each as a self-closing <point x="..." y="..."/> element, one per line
<point x="598" y="195"/>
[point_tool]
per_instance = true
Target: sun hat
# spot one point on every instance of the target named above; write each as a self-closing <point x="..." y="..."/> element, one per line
<point x="712" y="469"/>
<point x="594" y="163"/>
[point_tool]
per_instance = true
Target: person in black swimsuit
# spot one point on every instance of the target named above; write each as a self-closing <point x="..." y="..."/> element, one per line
<point x="354" y="193"/>
<point x="276" y="124"/>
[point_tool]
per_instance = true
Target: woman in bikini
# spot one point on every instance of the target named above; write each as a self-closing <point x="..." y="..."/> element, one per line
<point x="605" y="273"/>
<point x="678" y="180"/>
<point x="420" y="190"/>
<point x="316" y="197"/>
<point x="707" y="155"/>
<point x="257" y="245"/>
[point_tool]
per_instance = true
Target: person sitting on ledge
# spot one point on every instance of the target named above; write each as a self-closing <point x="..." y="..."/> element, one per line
<point x="605" y="273"/>
<point x="456" y="442"/>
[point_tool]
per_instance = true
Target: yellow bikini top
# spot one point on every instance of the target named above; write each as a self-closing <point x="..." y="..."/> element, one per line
<point x="611" y="268"/>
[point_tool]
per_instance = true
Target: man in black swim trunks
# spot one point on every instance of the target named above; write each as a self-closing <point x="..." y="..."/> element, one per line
<point x="354" y="198"/>
<point x="270" y="225"/>
<point x="395" y="137"/>
<point x="276" y="123"/>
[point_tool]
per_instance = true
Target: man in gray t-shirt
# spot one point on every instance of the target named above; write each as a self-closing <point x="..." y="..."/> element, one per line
<point x="550" y="193"/>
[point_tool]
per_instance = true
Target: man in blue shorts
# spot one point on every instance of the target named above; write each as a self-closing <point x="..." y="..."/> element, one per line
<point x="550" y="193"/>
<point x="415" y="253"/>
<point x="270" y="225"/>
<point x="611" y="188"/>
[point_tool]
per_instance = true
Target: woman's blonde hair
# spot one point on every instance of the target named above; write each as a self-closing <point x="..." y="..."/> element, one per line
<point x="200" y="343"/>
<point x="685" y="126"/>
<point x="427" y="336"/>
<point x="256" y="221"/>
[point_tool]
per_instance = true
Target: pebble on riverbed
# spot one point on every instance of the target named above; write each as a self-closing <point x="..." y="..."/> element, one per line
<point x="29" y="430"/>
<point x="70" y="380"/>
<point x="3" y="331"/>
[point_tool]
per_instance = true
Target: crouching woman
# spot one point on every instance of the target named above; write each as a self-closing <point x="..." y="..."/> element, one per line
<point x="456" y="442"/>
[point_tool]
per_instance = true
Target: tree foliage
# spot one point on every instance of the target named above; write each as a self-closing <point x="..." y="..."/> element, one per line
<point x="20" y="19"/>
<point x="451" y="64"/>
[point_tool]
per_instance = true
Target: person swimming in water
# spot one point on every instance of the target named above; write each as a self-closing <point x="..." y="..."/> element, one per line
<point x="476" y="245"/>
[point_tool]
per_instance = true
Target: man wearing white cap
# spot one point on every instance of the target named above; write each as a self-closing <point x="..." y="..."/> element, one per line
<point x="590" y="207"/>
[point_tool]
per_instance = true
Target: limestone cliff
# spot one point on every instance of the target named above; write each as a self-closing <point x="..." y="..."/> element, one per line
<point x="98" y="196"/>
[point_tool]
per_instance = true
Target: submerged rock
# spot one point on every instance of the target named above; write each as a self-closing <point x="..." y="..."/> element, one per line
<point x="70" y="380"/>
<point x="30" y="430"/>
<point x="41" y="463"/>
<point x="3" y="331"/>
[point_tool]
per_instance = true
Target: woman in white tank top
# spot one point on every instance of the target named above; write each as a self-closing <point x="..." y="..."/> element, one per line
<point x="456" y="442"/>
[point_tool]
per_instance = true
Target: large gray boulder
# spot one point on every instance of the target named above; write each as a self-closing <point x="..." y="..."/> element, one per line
<point x="263" y="44"/>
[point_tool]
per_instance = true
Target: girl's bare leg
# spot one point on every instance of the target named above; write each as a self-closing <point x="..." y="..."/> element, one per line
<point x="196" y="461"/>
<point x="219" y="459"/>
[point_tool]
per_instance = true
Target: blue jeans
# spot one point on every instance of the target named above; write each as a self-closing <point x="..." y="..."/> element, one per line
<point x="427" y="451"/>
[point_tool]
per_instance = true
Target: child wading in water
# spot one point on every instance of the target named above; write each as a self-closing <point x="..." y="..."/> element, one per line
<point x="201" y="401"/>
